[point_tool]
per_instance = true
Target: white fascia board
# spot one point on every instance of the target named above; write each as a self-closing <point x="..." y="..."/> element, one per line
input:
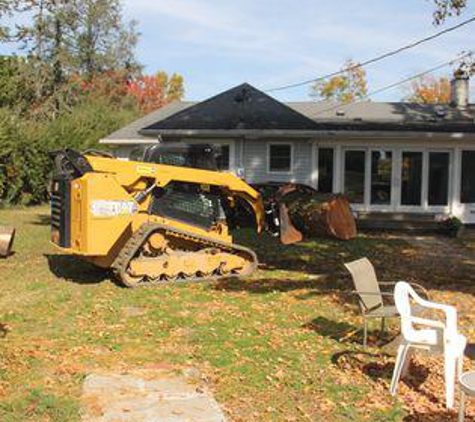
<point x="142" y="141"/>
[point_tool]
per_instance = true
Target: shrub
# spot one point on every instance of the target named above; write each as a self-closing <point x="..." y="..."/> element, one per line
<point x="25" y="165"/>
<point x="453" y="226"/>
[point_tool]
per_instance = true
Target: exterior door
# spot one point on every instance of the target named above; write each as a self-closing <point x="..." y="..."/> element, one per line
<point x="381" y="179"/>
<point x="467" y="186"/>
<point x="412" y="171"/>
<point x="439" y="180"/>
<point x="355" y="177"/>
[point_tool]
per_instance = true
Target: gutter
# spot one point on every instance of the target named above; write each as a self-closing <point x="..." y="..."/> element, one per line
<point x="314" y="134"/>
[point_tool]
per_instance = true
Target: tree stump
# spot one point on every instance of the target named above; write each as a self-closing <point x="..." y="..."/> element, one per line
<point x="7" y="235"/>
<point x="318" y="214"/>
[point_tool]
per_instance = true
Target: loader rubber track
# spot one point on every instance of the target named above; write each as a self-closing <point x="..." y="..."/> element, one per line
<point x="138" y="239"/>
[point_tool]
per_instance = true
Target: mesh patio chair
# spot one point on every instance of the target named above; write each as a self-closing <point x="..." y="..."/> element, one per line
<point x="370" y="297"/>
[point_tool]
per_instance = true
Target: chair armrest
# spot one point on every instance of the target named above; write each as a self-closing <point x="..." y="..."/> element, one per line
<point x="428" y="322"/>
<point x="450" y="313"/>
<point x="356" y="292"/>
<point x="415" y="286"/>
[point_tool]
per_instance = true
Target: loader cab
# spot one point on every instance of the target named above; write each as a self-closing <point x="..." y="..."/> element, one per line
<point x="200" y="156"/>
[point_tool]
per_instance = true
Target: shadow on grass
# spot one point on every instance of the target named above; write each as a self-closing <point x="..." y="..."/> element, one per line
<point x="42" y="220"/>
<point x="267" y="285"/>
<point x="436" y="415"/>
<point x="394" y="258"/>
<point x="339" y="331"/>
<point x="376" y="366"/>
<point x="76" y="270"/>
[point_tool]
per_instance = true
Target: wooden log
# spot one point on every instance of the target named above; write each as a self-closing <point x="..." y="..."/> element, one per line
<point x="316" y="214"/>
<point x="7" y="235"/>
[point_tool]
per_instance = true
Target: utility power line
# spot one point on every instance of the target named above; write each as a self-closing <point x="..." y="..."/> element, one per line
<point x="375" y="59"/>
<point x="396" y="84"/>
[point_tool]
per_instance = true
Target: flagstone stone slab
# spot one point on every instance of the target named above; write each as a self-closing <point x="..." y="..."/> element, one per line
<point x="148" y="395"/>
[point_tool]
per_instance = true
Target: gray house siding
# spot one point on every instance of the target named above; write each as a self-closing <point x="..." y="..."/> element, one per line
<point x="255" y="157"/>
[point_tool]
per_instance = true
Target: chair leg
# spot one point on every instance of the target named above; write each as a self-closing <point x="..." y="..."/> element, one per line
<point x="462" y="407"/>
<point x="407" y="363"/>
<point x="459" y="367"/>
<point x="365" y="331"/>
<point x="401" y="358"/>
<point x="450" y="373"/>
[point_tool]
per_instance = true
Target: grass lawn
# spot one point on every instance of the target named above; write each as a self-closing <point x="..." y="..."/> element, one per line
<point x="281" y="346"/>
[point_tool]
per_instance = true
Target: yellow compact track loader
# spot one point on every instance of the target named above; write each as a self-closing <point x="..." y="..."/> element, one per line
<point x="158" y="219"/>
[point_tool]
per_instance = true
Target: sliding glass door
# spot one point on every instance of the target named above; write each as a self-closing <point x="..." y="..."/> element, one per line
<point x="397" y="179"/>
<point x="381" y="177"/>
<point x="467" y="190"/>
<point x="439" y="178"/>
<point x="411" y="178"/>
<point x="354" y="175"/>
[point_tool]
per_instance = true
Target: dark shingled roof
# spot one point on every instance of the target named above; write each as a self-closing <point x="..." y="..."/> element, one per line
<point x="242" y="108"/>
<point x="246" y="111"/>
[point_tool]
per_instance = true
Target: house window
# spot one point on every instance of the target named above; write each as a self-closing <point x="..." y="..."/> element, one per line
<point x="325" y="170"/>
<point x="438" y="178"/>
<point x="411" y="175"/>
<point x="467" y="194"/>
<point x="381" y="176"/>
<point x="355" y="166"/>
<point x="222" y="157"/>
<point x="280" y="158"/>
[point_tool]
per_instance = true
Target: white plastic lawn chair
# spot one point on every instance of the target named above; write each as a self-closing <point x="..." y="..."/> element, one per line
<point x="434" y="336"/>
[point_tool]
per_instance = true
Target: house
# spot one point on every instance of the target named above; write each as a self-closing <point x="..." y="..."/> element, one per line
<point x="404" y="158"/>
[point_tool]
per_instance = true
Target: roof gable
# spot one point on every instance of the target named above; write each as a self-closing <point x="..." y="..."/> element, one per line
<point x="242" y="108"/>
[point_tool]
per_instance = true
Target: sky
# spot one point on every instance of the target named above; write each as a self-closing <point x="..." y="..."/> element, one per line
<point x="217" y="44"/>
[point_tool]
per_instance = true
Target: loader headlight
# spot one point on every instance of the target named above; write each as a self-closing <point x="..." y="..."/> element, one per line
<point x="104" y="208"/>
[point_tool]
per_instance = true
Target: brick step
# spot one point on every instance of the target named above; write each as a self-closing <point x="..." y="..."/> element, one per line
<point x="418" y="225"/>
<point x="395" y="216"/>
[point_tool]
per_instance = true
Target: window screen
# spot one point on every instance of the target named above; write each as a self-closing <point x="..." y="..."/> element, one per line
<point x="280" y="157"/>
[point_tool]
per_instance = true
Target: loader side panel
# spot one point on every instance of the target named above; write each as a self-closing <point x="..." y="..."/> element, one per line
<point x="101" y="211"/>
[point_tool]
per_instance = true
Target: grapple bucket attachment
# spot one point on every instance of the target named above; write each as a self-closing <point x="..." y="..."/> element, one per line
<point x="288" y="233"/>
<point x="7" y="234"/>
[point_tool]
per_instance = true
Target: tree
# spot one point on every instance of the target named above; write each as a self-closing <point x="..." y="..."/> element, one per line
<point x="447" y="8"/>
<point x="349" y="86"/>
<point x="429" y="90"/>
<point x="69" y="37"/>
<point x="152" y="92"/>
<point x="6" y="7"/>
<point x="104" y="40"/>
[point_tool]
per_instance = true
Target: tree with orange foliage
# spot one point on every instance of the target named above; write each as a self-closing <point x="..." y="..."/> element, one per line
<point x="349" y="86"/>
<point x="429" y="90"/>
<point x="154" y="91"/>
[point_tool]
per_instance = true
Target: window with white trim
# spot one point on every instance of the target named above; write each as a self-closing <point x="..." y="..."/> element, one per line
<point x="223" y="157"/>
<point x="280" y="158"/>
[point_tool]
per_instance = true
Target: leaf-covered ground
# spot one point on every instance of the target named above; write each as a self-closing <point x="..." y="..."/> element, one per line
<point x="282" y="346"/>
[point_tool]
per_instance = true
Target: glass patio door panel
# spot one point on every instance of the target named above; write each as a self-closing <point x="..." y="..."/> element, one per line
<point x="439" y="177"/>
<point x="381" y="177"/>
<point x="467" y="189"/>
<point x="354" y="175"/>
<point x="411" y="178"/>
<point x="325" y="169"/>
